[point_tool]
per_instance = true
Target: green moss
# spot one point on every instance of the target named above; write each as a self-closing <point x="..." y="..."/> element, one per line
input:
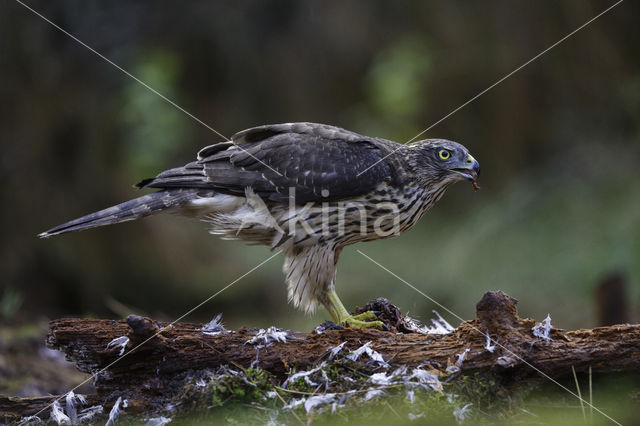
<point x="333" y="372"/>
<point x="249" y="387"/>
<point x="300" y="385"/>
<point x="243" y="398"/>
<point x="485" y="391"/>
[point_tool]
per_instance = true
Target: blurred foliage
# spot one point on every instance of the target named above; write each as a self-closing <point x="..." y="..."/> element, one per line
<point x="10" y="302"/>
<point x="558" y="143"/>
<point x="392" y="88"/>
<point x="154" y="131"/>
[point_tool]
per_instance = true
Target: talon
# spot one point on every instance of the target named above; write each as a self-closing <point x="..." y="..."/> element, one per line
<point x="351" y="322"/>
<point x="340" y="315"/>
<point x="365" y="316"/>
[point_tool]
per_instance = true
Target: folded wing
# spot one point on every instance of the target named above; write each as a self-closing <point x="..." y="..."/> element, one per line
<point x="320" y="162"/>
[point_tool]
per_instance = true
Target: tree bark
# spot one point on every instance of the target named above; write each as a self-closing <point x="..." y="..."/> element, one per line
<point x="157" y="355"/>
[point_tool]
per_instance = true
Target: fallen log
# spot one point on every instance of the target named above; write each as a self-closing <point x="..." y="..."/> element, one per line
<point x="147" y="361"/>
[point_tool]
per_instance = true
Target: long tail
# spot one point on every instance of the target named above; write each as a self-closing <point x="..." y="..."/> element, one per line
<point x="129" y="210"/>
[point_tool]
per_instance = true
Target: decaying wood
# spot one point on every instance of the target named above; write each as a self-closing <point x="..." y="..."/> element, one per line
<point x="156" y="357"/>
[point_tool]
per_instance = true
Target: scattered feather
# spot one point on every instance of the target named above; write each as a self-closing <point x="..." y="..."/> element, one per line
<point x="58" y="415"/>
<point x="295" y="403"/>
<point x="70" y="406"/>
<point x="305" y="375"/>
<point x="256" y="362"/>
<point x="158" y="421"/>
<point x="353" y="356"/>
<point x="440" y="325"/>
<point x="400" y="371"/>
<point x="334" y="351"/>
<point x="417" y="377"/>
<point x="115" y="412"/>
<point x="543" y="329"/>
<point x="341" y="400"/>
<point x="214" y="327"/>
<point x="310" y="382"/>
<point x="462" y="356"/>
<point x="461" y="414"/>
<point x="87" y="414"/>
<point x="70" y="415"/>
<point x="314" y="401"/>
<point x="452" y="369"/>
<point x="31" y="420"/>
<point x="375" y="356"/>
<point x="488" y="346"/>
<point x="381" y="379"/>
<point x="426" y="378"/>
<point x="413" y="417"/>
<point x="411" y="396"/>
<point x="373" y="393"/>
<point x="366" y="348"/>
<point x="119" y="341"/>
<point x="266" y="337"/>
<point x="442" y="322"/>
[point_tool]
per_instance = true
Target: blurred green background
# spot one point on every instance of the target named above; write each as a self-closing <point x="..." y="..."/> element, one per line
<point x="559" y="209"/>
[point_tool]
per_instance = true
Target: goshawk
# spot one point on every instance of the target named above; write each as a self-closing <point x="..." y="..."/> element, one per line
<point x="306" y="189"/>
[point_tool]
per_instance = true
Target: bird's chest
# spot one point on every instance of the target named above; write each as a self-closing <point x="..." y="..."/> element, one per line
<point x="381" y="214"/>
<point x="384" y="213"/>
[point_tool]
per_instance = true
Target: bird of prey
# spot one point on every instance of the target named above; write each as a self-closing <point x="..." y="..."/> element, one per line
<point x="306" y="189"/>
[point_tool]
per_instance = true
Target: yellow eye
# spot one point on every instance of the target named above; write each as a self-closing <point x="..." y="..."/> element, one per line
<point x="444" y="154"/>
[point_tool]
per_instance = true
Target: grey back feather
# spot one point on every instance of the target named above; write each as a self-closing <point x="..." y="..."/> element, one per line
<point x="321" y="163"/>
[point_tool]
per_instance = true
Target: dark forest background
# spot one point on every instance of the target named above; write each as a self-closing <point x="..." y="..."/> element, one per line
<point x="559" y="209"/>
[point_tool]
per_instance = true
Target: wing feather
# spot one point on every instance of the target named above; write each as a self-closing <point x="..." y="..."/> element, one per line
<point x="321" y="162"/>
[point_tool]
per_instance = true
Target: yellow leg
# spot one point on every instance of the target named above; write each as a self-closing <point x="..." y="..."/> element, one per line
<point x="341" y="316"/>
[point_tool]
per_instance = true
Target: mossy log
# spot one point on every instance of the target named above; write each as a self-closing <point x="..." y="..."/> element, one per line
<point x="157" y="356"/>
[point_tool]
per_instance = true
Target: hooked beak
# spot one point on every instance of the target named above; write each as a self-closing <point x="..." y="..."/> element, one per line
<point x="470" y="170"/>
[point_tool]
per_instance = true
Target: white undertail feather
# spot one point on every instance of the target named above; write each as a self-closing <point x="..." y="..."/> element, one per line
<point x="218" y="203"/>
<point x="309" y="272"/>
<point x="240" y="218"/>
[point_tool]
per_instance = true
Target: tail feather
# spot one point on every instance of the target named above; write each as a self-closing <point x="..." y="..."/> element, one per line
<point x="129" y="210"/>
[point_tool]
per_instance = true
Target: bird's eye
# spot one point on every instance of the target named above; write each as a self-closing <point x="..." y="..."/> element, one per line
<point x="444" y="154"/>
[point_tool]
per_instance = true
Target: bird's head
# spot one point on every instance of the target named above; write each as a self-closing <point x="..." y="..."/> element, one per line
<point x="441" y="162"/>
